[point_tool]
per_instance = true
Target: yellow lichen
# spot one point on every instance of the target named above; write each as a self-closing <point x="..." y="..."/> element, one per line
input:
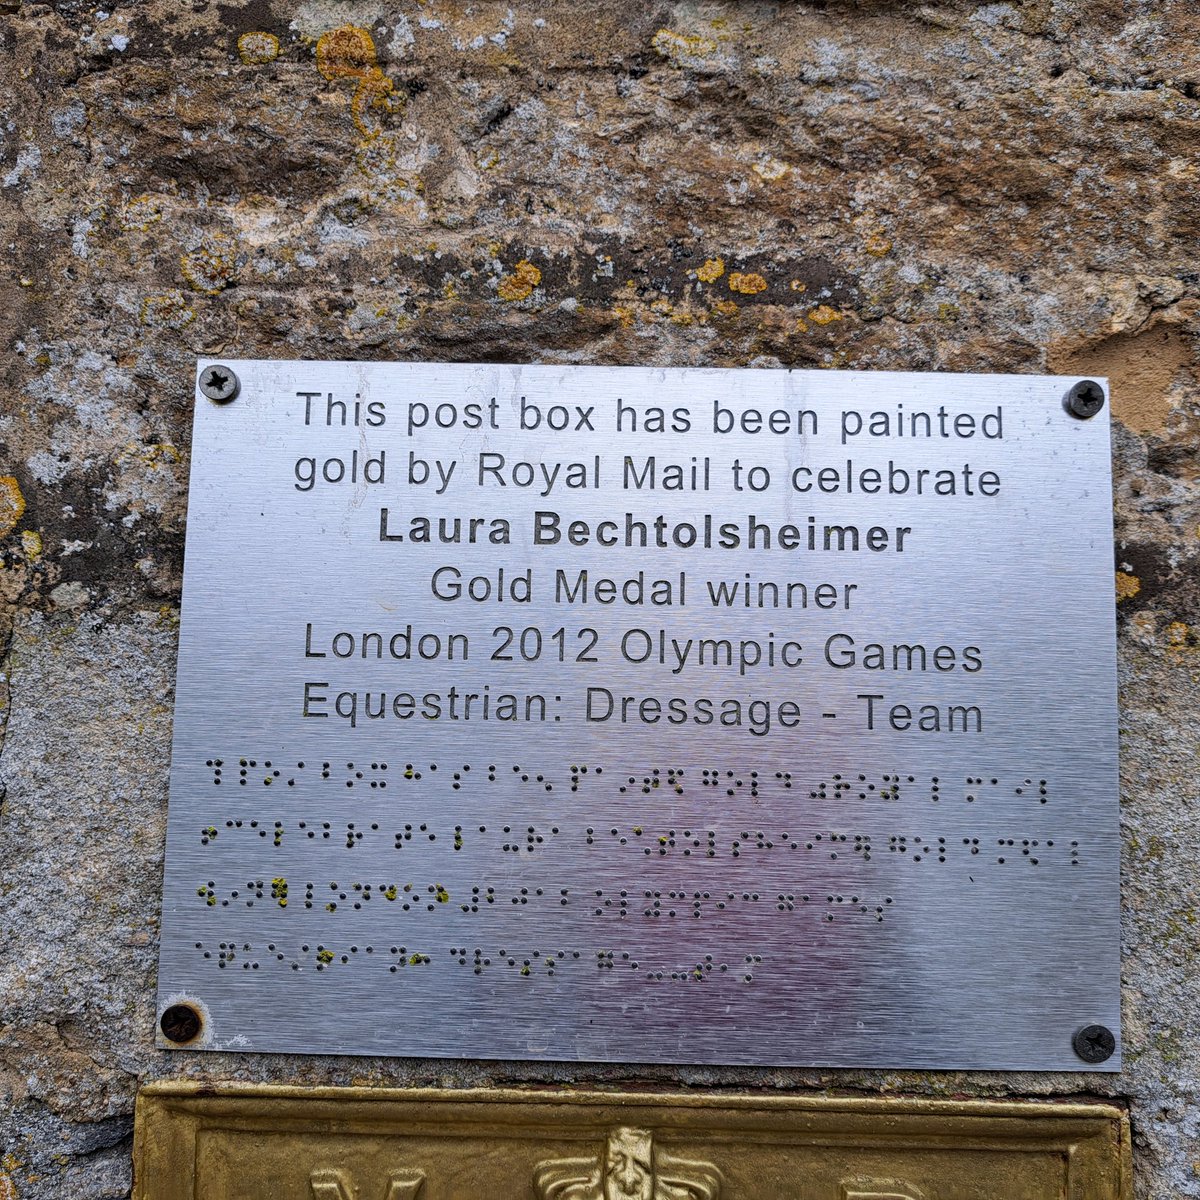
<point x="169" y="310"/>
<point x="674" y="45"/>
<point x="747" y="284"/>
<point x="712" y="270"/>
<point x="212" y="265"/>
<point x="1128" y="586"/>
<point x="138" y="214"/>
<point x="12" y="504"/>
<point x="797" y="286"/>
<point x="877" y="243"/>
<point x="824" y="315"/>
<point x="8" y="1189"/>
<point x="520" y="284"/>
<point x="726" y="308"/>
<point x="150" y="454"/>
<point x="257" y="48"/>
<point x="31" y="543"/>
<point x="1180" y="636"/>
<point x="349" y="53"/>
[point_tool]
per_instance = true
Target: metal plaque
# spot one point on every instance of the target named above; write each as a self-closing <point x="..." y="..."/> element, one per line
<point x="236" y="1141"/>
<point x="693" y="716"/>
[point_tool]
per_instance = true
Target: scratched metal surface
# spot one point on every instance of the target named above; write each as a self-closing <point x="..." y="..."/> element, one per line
<point x="816" y="892"/>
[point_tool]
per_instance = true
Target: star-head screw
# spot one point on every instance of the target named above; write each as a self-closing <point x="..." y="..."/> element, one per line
<point x="219" y="383"/>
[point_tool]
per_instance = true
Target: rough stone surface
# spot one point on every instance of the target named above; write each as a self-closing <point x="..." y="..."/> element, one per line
<point x="954" y="185"/>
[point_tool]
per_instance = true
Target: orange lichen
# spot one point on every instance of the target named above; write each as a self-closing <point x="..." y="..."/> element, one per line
<point x="1128" y="586"/>
<point x="520" y="284"/>
<point x="712" y="270"/>
<point x="12" y="504"/>
<point x="726" y="308"/>
<point x="824" y="315"/>
<point x="748" y="284"/>
<point x="876" y="244"/>
<point x="257" y="48"/>
<point x="349" y="53"/>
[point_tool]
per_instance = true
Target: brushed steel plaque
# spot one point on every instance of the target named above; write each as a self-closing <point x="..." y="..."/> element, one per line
<point x="710" y="716"/>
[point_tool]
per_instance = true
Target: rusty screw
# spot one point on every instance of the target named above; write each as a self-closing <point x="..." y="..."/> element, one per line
<point x="219" y="383"/>
<point x="180" y="1023"/>
<point x="1085" y="399"/>
<point x="1094" y="1043"/>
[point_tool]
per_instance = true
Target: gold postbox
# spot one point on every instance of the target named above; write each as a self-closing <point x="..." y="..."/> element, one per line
<point x="233" y="1142"/>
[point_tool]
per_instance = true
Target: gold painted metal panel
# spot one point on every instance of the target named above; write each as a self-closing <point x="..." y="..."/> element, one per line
<point x="238" y="1142"/>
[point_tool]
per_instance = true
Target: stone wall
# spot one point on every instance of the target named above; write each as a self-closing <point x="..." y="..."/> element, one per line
<point x="959" y="186"/>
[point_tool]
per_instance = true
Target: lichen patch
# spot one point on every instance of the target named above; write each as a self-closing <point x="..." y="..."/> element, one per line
<point x="211" y="266"/>
<point x="1128" y="586"/>
<point x="677" y="46"/>
<point x="256" y="49"/>
<point x="349" y="53"/>
<point x="520" y="284"/>
<point x="12" y="504"/>
<point x="748" y="284"/>
<point x="824" y="315"/>
<point x="877" y="244"/>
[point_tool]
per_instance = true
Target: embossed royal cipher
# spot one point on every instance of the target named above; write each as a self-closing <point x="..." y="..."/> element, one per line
<point x="693" y="716"/>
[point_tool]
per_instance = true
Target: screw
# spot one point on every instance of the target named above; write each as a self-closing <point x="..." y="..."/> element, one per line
<point x="1094" y="1043"/>
<point x="220" y="383"/>
<point x="180" y="1023"/>
<point x="1085" y="399"/>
